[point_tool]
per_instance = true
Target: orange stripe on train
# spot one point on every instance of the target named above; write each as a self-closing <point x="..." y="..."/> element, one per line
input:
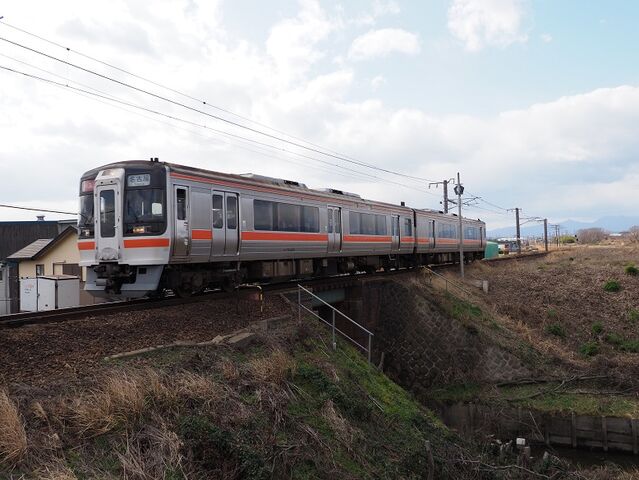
<point x="201" y="234"/>
<point x="285" y="237"/>
<point x="86" y="245"/>
<point x="366" y="238"/>
<point x="146" y="242"/>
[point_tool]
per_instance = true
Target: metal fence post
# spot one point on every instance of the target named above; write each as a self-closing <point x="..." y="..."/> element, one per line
<point x="370" y="338"/>
<point x="299" y="304"/>
<point x="334" y="342"/>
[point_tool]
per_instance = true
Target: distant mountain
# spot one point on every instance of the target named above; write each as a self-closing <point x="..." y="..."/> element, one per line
<point x="611" y="223"/>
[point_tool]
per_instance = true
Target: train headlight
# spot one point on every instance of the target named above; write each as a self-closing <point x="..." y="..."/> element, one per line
<point x="140" y="229"/>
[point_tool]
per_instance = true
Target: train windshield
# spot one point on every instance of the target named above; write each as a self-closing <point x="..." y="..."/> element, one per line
<point x="145" y="212"/>
<point x="85" y="221"/>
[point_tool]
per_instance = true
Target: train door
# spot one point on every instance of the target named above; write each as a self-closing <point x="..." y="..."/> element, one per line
<point x="225" y="224"/>
<point x="181" y="229"/>
<point x="431" y="233"/>
<point x="200" y="224"/>
<point x="481" y="236"/>
<point x="394" y="232"/>
<point x="109" y="221"/>
<point x="334" y="229"/>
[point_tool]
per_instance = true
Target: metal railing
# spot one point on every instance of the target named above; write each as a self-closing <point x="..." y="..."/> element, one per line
<point x="334" y="328"/>
<point x="432" y="273"/>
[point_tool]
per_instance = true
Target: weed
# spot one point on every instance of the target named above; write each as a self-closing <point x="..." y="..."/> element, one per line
<point x="589" y="349"/>
<point x="612" y="286"/>
<point x="556" y="329"/>
<point x="597" y="328"/>
<point x="118" y="401"/>
<point x="552" y="313"/>
<point x="274" y="368"/>
<point x="633" y="315"/>
<point x="13" y="438"/>
<point x="631" y="269"/>
<point x="631" y="346"/>
<point x="614" y="339"/>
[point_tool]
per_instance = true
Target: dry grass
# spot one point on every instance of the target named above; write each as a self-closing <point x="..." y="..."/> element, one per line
<point x="57" y="472"/>
<point x="198" y="387"/>
<point x="13" y="437"/>
<point x="274" y="368"/>
<point x="116" y="402"/>
<point x="343" y="430"/>
<point x="230" y="372"/>
<point x="151" y="454"/>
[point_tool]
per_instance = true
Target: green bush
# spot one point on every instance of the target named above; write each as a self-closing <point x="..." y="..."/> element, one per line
<point x="612" y="286"/>
<point x="630" y="346"/>
<point x="556" y="329"/>
<point x="614" y="339"/>
<point x="632" y="270"/>
<point x="597" y="328"/>
<point x="589" y="349"/>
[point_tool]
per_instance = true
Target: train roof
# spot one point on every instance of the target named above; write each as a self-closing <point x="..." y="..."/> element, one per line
<point x="291" y="186"/>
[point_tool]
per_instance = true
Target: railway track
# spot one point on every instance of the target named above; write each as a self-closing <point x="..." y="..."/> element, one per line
<point x="61" y="315"/>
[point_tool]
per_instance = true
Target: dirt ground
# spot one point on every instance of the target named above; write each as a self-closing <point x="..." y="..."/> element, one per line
<point x="53" y="355"/>
<point x="561" y="298"/>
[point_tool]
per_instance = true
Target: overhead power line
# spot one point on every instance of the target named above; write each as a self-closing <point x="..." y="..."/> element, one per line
<point x="111" y="98"/>
<point x="157" y="84"/>
<point x="216" y="117"/>
<point x="17" y="207"/>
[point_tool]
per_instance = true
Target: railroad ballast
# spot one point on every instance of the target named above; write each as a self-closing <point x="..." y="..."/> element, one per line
<point x="147" y="225"/>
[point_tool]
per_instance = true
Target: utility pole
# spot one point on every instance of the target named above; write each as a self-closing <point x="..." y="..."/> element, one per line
<point x="445" y="185"/>
<point x="518" y="230"/>
<point x="459" y="190"/>
<point x="546" y="234"/>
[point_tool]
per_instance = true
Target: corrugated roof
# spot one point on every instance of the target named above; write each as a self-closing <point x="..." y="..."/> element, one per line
<point x="31" y="250"/>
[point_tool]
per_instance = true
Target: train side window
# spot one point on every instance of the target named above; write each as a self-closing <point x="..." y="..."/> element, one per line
<point x="408" y="227"/>
<point x="380" y="225"/>
<point x="310" y="219"/>
<point x="218" y="215"/>
<point x="354" y="223"/>
<point x="263" y="215"/>
<point x="368" y="224"/>
<point x="180" y="200"/>
<point x="330" y="221"/>
<point x="288" y="217"/>
<point x="231" y="213"/>
<point x="337" y="222"/>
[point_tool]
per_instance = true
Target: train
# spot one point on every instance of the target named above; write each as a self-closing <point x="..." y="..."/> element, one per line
<point x="147" y="226"/>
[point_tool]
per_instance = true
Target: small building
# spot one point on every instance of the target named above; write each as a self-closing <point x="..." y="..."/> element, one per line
<point x="55" y="256"/>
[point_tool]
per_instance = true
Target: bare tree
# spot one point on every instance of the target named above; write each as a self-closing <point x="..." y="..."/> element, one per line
<point x="633" y="234"/>
<point x="591" y="235"/>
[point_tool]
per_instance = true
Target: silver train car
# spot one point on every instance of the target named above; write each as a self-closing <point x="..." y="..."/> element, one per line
<point x="145" y="226"/>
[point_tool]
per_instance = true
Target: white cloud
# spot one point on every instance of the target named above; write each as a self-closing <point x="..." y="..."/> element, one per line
<point x="481" y="23"/>
<point x="377" y="82"/>
<point x="380" y="43"/>
<point x="546" y="37"/>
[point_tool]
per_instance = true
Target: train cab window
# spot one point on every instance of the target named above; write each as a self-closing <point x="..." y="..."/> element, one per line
<point x="231" y="213"/>
<point x="180" y="199"/>
<point x="107" y="213"/>
<point x="218" y="214"/>
<point x="408" y="227"/>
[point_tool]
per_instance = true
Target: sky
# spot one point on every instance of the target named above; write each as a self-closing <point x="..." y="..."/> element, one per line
<point x="535" y="103"/>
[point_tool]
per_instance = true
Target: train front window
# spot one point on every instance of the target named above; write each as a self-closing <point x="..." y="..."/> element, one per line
<point x="145" y="212"/>
<point x="85" y="221"/>
<point x="107" y="214"/>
